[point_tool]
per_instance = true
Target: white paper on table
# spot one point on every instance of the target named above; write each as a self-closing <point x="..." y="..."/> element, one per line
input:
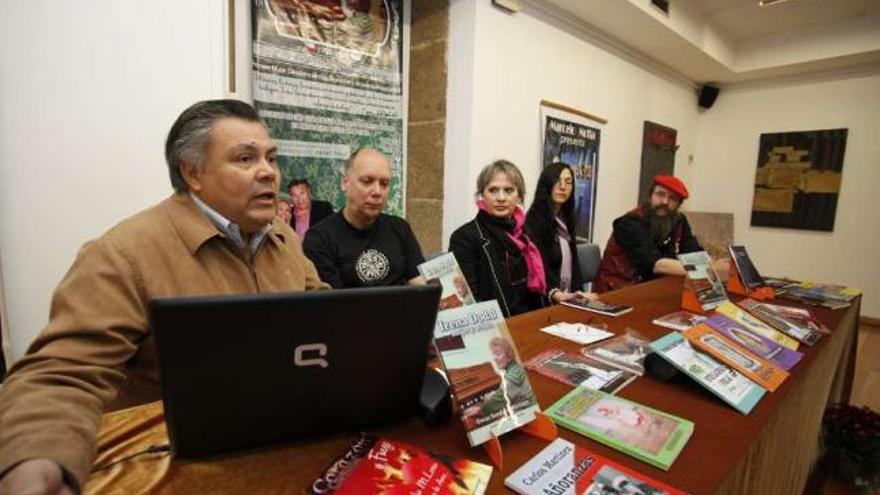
<point x="577" y="332"/>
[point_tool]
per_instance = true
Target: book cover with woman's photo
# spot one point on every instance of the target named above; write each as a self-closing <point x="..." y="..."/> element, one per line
<point x="565" y="468"/>
<point x="647" y="434"/>
<point x="444" y="269"/>
<point x="486" y="374"/>
<point x="573" y="369"/>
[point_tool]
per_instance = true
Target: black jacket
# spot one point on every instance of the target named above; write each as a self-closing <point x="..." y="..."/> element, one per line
<point x="488" y="263"/>
<point x="551" y="255"/>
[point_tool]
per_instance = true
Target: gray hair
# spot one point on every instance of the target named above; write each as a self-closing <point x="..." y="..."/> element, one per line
<point x="502" y="167"/>
<point x="191" y="133"/>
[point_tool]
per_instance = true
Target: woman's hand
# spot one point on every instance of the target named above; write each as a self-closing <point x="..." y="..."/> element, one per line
<point x="561" y="296"/>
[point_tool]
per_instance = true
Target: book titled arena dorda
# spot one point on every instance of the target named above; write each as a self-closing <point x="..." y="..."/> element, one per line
<point x="379" y="465"/>
<point x="485" y="371"/>
<point x="565" y="468"/>
<point x="653" y="436"/>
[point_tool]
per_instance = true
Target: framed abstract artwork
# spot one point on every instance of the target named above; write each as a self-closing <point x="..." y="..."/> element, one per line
<point x="798" y="178"/>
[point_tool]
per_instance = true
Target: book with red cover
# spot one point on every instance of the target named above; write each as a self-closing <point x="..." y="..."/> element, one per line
<point x="376" y="465"/>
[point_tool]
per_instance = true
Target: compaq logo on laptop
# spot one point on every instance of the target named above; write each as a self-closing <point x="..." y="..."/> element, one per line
<point x="310" y="355"/>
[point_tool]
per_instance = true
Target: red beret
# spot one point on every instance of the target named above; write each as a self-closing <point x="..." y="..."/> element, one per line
<point x="674" y="184"/>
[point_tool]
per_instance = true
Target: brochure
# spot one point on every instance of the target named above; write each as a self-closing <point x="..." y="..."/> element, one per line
<point x="728" y="384"/>
<point x="577" y="332"/>
<point x="487" y="378"/>
<point x="679" y="320"/>
<point x="833" y="292"/>
<point x="759" y="370"/>
<point x="755" y="325"/>
<point x="644" y="433"/>
<point x="774" y="352"/>
<point x="379" y="465"/>
<point x="804" y="296"/>
<point x="573" y="369"/>
<point x="563" y="468"/>
<point x="444" y="269"/>
<point x="702" y="279"/>
<point x="797" y="323"/>
<point x="626" y="352"/>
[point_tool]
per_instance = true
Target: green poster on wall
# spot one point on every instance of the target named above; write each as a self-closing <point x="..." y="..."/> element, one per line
<point x="327" y="79"/>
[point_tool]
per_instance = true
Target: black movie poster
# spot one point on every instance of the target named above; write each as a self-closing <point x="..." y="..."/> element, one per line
<point x="658" y="155"/>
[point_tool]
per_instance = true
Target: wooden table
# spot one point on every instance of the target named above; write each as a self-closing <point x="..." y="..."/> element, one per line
<point x="771" y="450"/>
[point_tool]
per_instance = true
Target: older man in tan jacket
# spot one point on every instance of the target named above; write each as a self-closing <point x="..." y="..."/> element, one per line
<point x="214" y="235"/>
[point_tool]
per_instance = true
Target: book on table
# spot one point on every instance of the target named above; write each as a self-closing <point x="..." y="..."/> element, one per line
<point x="444" y="269"/>
<point x="627" y="352"/>
<point x="797" y="323"/>
<point x="748" y="274"/>
<point x="759" y="345"/>
<point x="485" y="371"/>
<point x="597" y="306"/>
<point x="647" y="434"/>
<point x="755" y="325"/>
<point x="564" y="468"/>
<point x="728" y="384"/>
<point x="573" y="369"/>
<point x="702" y="280"/>
<point x="797" y="294"/>
<point x="374" y="464"/>
<point x="678" y="320"/>
<point x="832" y="292"/>
<point x="757" y="369"/>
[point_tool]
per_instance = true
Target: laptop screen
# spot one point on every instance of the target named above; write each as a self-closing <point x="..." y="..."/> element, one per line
<point x="249" y="370"/>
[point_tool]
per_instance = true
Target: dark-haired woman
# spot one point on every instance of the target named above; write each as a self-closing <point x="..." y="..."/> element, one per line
<point x="497" y="258"/>
<point x="550" y="225"/>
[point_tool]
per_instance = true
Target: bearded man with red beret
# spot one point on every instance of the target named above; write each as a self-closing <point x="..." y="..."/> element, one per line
<point x="646" y="240"/>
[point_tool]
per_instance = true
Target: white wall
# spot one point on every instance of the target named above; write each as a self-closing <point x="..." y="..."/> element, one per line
<point x="723" y="173"/>
<point x="514" y="62"/>
<point x="501" y="66"/>
<point x="88" y="91"/>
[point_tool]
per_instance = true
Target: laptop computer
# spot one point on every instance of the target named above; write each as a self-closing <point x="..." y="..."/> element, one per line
<point x="250" y="370"/>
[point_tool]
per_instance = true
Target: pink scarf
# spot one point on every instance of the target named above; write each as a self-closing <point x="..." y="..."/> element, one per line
<point x="534" y="264"/>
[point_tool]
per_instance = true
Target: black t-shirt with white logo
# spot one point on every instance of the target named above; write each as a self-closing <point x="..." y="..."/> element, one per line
<point x="386" y="253"/>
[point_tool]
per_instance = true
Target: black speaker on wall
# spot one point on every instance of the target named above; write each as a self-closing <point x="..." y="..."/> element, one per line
<point x="707" y="95"/>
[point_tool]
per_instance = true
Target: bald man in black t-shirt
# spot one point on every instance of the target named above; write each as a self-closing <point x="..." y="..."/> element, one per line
<point x="360" y="246"/>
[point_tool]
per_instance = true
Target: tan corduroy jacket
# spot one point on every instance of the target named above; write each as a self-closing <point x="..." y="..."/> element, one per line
<point x="97" y="352"/>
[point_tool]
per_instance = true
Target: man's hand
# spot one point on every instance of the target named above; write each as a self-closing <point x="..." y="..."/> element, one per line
<point x="34" y="477"/>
